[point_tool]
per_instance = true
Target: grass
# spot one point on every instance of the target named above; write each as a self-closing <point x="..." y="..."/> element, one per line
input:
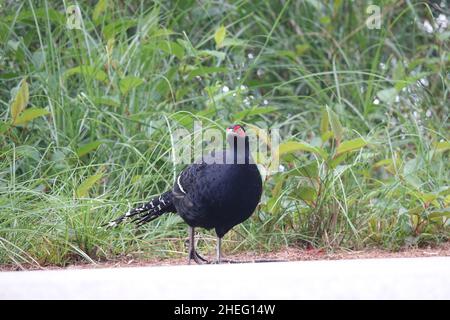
<point x="109" y="94"/>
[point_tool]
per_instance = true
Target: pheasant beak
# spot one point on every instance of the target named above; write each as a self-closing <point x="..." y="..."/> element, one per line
<point x="236" y="130"/>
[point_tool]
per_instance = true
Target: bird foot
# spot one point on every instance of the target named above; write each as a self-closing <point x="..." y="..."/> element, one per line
<point x="193" y="255"/>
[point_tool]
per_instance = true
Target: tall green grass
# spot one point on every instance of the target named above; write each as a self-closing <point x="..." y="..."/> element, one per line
<point x="113" y="91"/>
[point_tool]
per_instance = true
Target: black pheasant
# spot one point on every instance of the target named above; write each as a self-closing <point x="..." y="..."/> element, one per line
<point x="210" y="194"/>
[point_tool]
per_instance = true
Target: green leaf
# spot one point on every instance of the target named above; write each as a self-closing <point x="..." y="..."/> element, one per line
<point x="335" y="124"/>
<point x="214" y="53"/>
<point x="294" y="146"/>
<point x="163" y="85"/>
<point x="20" y="100"/>
<point x="107" y="101"/>
<point x="234" y="43"/>
<point x="442" y="146"/>
<point x="116" y="27"/>
<point x="387" y="95"/>
<point x="272" y="205"/>
<point x="415" y="211"/>
<point x="88" y="71"/>
<point x="219" y="36"/>
<point x="205" y="70"/>
<point x="253" y="112"/>
<point x="325" y="20"/>
<point x="171" y="47"/>
<point x="86" y="185"/>
<point x="425" y="197"/>
<point x="129" y="83"/>
<point x="100" y="7"/>
<point x="162" y="32"/>
<point x="337" y="160"/>
<point x="184" y="119"/>
<point x="411" y="166"/>
<point x="3" y="127"/>
<point x="301" y="49"/>
<point x="327" y="135"/>
<point x="413" y="180"/>
<point x="135" y="179"/>
<point x="310" y="170"/>
<point x="351" y="145"/>
<point x="29" y="115"/>
<point x="439" y="214"/>
<point x="89" y="147"/>
<point x="307" y="193"/>
<point x="278" y="188"/>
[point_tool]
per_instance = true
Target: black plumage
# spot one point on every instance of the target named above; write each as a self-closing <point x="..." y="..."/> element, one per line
<point x="210" y="194"/>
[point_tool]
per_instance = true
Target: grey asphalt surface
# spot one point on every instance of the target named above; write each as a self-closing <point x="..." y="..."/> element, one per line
<point x="395" y="278"/>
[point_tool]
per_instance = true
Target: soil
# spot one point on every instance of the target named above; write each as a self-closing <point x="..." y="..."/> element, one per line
<point x="288" y="254"/>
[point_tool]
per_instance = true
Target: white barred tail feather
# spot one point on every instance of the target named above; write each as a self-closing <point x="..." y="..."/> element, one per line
<point x="148" y="211"/>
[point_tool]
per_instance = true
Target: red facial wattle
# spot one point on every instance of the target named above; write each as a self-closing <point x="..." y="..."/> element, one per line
<point x="238" y="130"/>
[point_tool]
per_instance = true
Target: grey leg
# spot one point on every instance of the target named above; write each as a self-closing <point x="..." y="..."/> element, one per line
<point x="192" y="252"/>
<point x="219" y="250"/>
<point x="191" y="244"/>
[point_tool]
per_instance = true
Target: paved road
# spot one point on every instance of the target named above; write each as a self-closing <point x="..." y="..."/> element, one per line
<point x="408" y="278"/>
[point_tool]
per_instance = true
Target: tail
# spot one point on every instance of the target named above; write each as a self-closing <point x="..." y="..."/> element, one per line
<point x="148" y="211"/>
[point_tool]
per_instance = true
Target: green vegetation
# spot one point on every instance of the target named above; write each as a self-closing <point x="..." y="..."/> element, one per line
<point x="86" y="116"/>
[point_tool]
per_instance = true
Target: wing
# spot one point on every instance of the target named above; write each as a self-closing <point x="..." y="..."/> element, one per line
<point x="186" y="181"/>
<point x="184" y="187"/>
